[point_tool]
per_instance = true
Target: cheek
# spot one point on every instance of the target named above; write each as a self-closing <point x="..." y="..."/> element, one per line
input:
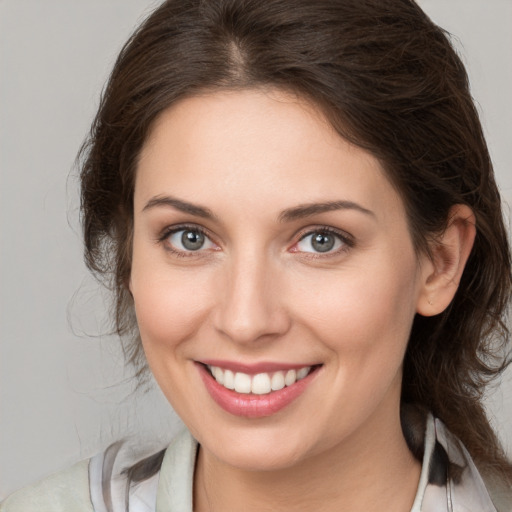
<point x="362" y="312"/>
<point x="170" y="306"/>
<point x="364" y="320"/>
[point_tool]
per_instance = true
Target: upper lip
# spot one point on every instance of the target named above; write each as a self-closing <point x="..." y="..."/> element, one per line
<point x="254" y="368"/>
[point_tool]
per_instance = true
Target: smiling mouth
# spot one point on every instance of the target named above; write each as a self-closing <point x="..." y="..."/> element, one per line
<point x="261" y="383"/>
<point x="257" y="394"/>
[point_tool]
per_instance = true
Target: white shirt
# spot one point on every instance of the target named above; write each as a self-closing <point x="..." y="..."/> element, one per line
<point x="83" y="488"/>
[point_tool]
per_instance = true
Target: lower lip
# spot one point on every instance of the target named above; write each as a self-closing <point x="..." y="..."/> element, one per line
<point x="250" y="405"/>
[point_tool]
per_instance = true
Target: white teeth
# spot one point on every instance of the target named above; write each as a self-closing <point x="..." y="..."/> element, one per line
<point x="260" y="384"/>
<point x="290" y="378"/>
<point x="277" y="381"/>
<point x="229" y="379"/>
<point x="218" y="374"/>
<point x="242" y="383"/>
<point x="302" y="373"/>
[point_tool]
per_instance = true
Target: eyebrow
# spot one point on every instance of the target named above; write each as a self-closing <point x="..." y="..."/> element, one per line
<point x="178" y="204"/>
<point x="288" y="215"/>
<point x="307" y="210"/>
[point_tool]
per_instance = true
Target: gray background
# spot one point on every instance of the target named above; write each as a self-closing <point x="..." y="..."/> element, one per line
<point x="65" y="394"/>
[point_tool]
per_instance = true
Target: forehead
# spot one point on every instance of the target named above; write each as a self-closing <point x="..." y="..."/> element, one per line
<point x="265" y="148"/>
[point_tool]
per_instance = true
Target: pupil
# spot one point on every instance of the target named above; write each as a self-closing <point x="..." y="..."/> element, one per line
<point x="192" y="240"/>
<point x="322" y="242"/>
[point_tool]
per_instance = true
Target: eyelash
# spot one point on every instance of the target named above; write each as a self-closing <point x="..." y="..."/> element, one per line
<point x="347" y="240"/>
<point x="167" y="232"/>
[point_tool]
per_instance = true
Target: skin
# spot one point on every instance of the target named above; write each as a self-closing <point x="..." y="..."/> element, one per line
<point x="257" y="291"/>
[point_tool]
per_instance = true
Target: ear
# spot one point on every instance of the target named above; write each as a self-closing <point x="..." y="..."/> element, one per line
<point x="449" y="252"/>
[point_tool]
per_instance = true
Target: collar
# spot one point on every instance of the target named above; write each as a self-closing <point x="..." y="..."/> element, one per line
<point x="449" y="481"/>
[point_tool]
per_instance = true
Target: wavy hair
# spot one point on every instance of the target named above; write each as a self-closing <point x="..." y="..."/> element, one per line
<point x="389" y="81"/>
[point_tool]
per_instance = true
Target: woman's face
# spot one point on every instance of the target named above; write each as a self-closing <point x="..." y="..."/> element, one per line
<point x="270" y="252"/>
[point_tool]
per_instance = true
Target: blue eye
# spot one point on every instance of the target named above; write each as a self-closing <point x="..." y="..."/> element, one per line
<point x="320" y="242"/>
<point x="189" y="240"/>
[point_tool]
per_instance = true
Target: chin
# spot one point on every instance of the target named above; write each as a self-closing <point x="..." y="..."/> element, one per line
<point x="256" y="460"/>
<point x="259" y="449"/>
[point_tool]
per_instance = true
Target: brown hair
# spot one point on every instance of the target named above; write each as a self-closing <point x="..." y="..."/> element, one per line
<point x="389" y="81"/>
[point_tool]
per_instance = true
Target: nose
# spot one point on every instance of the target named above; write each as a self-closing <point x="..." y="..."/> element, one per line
<point x="250" y="306"/>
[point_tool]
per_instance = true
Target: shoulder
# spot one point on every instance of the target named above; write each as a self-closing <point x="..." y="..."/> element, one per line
<point x="121" y="481"/>
<point x="112" y="481"/>
<point x="450" y="479"/>
<point x="67" y="491"/>
<point x="500" y="492"/>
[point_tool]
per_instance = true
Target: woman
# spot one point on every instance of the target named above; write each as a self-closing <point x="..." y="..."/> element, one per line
<point x="295" y="206"/>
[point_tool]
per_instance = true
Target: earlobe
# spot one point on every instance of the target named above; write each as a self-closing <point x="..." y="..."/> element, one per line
<point x="449" y="253"/>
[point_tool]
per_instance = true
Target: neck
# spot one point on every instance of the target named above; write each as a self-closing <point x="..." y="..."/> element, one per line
<point x="372" y="467"/>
